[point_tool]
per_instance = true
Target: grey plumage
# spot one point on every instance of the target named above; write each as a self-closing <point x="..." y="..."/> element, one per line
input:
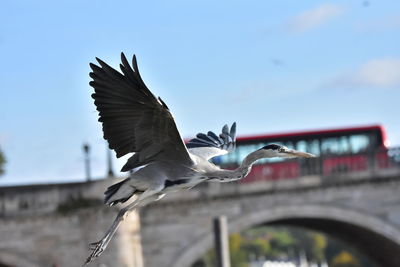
<point x="135" y="121"/>
<point x="225" y="141"/>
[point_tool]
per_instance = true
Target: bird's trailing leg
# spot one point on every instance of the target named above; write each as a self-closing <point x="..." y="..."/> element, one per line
<point x="98" y="247"/>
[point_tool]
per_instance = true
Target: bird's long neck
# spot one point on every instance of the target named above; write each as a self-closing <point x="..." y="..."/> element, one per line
<point x="248" y="161"/>
<point x="240" y="172"/>
<point x="251" y="158"/>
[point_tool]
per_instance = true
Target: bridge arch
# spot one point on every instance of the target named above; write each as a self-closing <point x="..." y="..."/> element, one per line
<point x="373" y="236"/>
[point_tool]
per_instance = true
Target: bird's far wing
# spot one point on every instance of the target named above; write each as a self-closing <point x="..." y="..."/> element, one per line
<point x="133" y="119"/>
<point x="211" y="145"/>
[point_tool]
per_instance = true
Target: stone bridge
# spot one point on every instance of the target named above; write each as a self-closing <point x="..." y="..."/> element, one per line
<point x="362" y="209"/>
<point x="51" y="225"/>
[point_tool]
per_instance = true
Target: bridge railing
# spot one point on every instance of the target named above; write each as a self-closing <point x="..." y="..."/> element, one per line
<point x="371" y="162"/>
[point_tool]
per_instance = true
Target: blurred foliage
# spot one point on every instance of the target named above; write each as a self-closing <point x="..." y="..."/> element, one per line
<point x="286" y="243"/>
<point x="344" y="259"/>
<point x="237" y="253"/>
<point x="2" y="162"/>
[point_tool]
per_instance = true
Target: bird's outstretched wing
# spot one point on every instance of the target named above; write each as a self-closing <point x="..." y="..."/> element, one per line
<point x="133" y="119"/>
<point x="211" y="145"/>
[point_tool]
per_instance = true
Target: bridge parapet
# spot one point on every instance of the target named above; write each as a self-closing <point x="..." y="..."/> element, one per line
<point x="47" y="198"/>
<point x="218" y="190"/>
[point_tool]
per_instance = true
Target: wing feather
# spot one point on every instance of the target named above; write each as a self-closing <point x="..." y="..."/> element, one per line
<point x="210" y="145"/>
<point x="133" y="119"/>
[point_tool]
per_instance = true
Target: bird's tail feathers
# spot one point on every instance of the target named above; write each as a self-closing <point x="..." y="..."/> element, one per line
<point x="119" y="192"/>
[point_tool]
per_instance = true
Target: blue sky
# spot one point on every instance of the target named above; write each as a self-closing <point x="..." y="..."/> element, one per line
<point x="271" y="66"/>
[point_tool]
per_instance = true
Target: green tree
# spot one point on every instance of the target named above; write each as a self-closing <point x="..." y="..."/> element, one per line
<point x="2" y="162"/>
<point x="319" y="246"/>
<point x="237" y="254"/>
<point x="277" y="243"/>
<point x="258" y="247"/>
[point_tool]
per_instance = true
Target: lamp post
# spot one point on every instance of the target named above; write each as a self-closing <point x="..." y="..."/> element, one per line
<point x="110" y="172"/>
<point x="86" y="152"/>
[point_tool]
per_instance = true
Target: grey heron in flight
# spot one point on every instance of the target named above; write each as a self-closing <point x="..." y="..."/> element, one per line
<point x="135" y="121"/>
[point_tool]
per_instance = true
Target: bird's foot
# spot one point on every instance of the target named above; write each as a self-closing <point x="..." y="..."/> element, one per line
<point x="97" y="248"/>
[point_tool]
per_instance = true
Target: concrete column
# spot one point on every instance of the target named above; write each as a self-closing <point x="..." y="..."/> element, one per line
<point x="128" y="242"/>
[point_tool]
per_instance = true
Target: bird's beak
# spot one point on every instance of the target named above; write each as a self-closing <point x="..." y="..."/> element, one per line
<point x="295" y="153"/>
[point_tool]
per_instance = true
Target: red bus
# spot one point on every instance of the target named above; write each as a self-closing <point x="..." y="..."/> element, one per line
<point x="337" y="150"/>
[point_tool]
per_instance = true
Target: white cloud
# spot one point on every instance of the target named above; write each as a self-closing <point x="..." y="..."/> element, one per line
<point x="315" y="17"/>
<point x="376" y="73"/>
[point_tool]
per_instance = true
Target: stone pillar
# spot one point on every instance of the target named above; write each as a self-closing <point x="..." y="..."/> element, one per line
<point x="128" y="242"/>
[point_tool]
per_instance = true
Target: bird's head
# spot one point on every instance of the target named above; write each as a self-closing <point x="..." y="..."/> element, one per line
<point x="273" y="150"/>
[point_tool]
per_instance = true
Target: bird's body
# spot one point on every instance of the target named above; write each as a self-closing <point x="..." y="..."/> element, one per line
<point x="160" y="178"/>
<point x="163" y="177"/>
<point x="135" y="121"/>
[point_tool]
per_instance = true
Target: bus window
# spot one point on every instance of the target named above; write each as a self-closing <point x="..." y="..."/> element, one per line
<point x="301" y="145"/>
<point x="289" y="144"/>
<point x="359" y="143"/>
<point x="310" y="146"/>
<point x="329" y="146"/>
<point x="343" y="145"/>
<point x="313" y="147"/>
<point x="335" y="145"/>
<point x="230" y="158"/>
